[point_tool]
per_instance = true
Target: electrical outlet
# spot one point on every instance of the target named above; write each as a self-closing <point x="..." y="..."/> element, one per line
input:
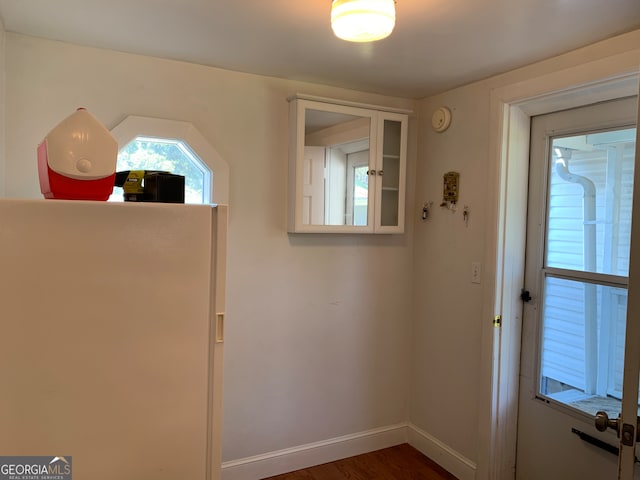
<point x="476" y="272"/>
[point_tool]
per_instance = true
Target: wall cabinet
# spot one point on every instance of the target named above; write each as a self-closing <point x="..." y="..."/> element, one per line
<point x="347" y="167"/>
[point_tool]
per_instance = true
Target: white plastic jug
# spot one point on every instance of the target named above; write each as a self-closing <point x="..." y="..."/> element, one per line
<point x="77" y="159"/>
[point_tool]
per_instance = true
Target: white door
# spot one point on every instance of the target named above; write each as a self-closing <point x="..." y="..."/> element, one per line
<point x="578" y="265"/>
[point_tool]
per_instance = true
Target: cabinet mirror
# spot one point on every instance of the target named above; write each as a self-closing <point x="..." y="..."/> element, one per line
<point x="346" y="168"/>
<point x="336" y="165"/>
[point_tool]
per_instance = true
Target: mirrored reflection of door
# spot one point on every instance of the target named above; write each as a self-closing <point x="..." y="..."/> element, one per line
<point x="313" y="186"/>
<point x="340" y="196"/>
<point x="577" y="270"/>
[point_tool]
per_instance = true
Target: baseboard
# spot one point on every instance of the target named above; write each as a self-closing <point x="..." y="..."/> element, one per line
<point x="303" y="456"/>
<point x="452" y="461"/>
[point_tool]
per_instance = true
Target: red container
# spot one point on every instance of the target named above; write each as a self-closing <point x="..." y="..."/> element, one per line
<point x="77" y="159"/>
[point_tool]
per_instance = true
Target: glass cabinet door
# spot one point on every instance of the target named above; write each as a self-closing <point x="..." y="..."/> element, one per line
<point x="391" y="173"/>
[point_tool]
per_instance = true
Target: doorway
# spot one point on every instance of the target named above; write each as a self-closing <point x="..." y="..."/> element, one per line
<point x="512" y="107"/>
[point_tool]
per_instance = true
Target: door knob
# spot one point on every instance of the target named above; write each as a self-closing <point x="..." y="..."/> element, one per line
<point x="603" y="422"/>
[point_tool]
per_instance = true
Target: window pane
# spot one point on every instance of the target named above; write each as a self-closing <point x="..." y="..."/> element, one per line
<point x="588" y="230"/>
<point x="391" y="169"/>
<point x="582" y="355"/>
<point x="589" y="209"/>
<point x="168" y="155"/>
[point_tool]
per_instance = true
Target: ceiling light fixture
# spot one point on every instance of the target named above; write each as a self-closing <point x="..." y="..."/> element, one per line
<point x="363" y="20"/>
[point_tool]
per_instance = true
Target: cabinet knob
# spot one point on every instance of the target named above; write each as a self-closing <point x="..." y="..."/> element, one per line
<point x="371" y="172"/>
<point x="380" y="172"/>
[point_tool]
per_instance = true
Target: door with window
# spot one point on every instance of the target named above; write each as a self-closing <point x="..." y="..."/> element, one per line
<point x="577" y="294"/>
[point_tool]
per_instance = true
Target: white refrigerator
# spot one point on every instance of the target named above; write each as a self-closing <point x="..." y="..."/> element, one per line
<point x="111" y="336"/>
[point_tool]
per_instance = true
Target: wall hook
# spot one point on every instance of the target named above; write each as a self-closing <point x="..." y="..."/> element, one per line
<point x="426" y="210"/>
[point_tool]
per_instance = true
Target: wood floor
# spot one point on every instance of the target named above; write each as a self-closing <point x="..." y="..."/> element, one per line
<point x="402" y="462"/>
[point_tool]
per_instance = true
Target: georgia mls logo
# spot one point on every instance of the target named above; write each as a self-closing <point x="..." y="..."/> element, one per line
<point x="35" y="468"/>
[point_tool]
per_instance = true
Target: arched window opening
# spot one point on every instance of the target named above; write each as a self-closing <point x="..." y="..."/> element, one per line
<point x="173" y="146"/>
<point x="170" y="155"/>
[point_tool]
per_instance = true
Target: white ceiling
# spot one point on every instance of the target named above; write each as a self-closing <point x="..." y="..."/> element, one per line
<point x="436" y="45"/>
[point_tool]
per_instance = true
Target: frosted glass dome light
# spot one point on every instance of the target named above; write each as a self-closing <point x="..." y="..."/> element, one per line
<point x="363" y="20"/>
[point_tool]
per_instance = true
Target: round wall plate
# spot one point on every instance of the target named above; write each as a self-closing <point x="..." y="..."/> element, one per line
<point x="441" y="119"/>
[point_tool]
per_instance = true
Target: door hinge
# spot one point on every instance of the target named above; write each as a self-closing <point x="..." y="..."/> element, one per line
<point x="497" y="321"/>
<point x="524" y="295"/>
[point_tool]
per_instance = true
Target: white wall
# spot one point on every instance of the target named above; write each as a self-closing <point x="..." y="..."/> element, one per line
<point x="448" y="306"/>
<point x="450" y="388"/>
<point x="317" y="326"/>
<point x="319" y="339"/>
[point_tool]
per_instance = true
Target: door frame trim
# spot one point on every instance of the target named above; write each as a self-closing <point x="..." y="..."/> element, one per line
<point x="511" y="109"/>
